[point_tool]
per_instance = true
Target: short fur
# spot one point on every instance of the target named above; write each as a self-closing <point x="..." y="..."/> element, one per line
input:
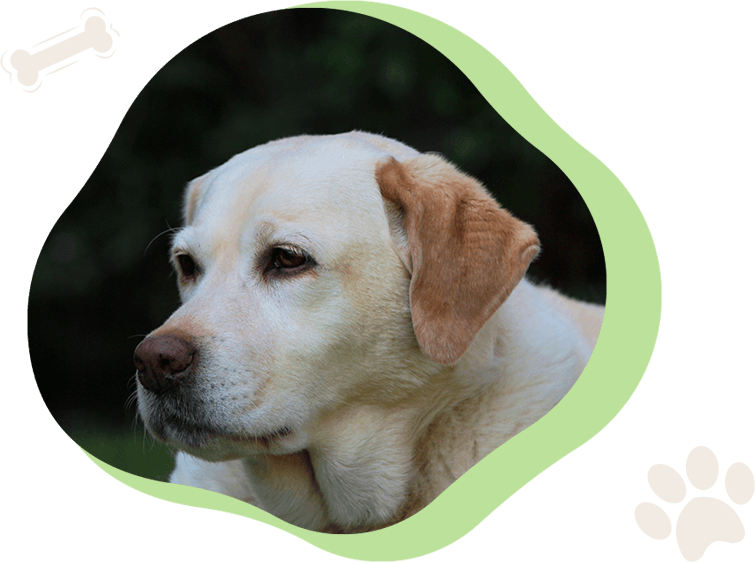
<point x="347" y="396"/>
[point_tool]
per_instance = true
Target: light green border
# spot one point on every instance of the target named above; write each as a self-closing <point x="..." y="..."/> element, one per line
<point x="619" y="361"/>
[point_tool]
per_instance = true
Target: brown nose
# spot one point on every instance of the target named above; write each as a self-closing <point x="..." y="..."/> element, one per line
<point x="162" y="362"/>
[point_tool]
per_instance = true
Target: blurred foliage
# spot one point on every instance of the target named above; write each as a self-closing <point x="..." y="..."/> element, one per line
<point x="102" y="279"/>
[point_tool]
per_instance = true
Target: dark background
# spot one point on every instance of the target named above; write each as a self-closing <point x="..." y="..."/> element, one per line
<point x="103" y="281"/>
<point x="108" y="145"/>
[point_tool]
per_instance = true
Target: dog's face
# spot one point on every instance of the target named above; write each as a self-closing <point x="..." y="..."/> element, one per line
<point x="293" y="298"/>
<point x="295" y="268"/>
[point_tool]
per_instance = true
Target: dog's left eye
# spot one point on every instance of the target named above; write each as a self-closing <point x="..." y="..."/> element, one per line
<point x="285" y="258"/>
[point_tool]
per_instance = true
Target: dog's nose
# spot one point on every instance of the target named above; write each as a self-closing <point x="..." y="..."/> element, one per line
<point x="163" y="361"/>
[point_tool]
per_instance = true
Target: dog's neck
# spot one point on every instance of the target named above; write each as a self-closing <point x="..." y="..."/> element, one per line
<point x="371" y="466"/>
<point x="360" y="471"/>
<point x="346" y="481"/>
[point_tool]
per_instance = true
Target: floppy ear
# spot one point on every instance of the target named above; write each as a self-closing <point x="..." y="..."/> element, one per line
<point x="192" y="198"/>
<point x="465" y="253"/>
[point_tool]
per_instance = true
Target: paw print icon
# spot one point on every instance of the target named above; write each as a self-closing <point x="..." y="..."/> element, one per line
<point x="703" y="520"/>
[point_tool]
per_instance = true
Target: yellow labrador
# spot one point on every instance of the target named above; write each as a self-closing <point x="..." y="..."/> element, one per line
<point x="355" y="332"/>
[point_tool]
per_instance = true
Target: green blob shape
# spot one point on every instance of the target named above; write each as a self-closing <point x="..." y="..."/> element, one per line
<point x="630" y="328"/>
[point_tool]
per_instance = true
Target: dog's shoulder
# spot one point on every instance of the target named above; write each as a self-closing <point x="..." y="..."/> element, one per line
<point x="541" y="341"/>
<point x="588" y="317"/>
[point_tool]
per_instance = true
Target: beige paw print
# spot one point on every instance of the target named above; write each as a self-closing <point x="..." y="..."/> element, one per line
<point x="703" y="520"/>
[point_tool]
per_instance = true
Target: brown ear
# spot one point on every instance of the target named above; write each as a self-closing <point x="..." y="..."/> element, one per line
<point x="466" y="253"/>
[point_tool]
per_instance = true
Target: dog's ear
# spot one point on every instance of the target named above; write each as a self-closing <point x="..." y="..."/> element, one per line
<point x="464" y="252"/>
<point x="192" y="197"/>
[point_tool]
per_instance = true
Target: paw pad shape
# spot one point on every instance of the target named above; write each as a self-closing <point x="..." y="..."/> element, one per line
<point x="703" y="520"/>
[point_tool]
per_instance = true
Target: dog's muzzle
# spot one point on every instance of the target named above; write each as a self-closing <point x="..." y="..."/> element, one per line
<point x="163" y="363"/>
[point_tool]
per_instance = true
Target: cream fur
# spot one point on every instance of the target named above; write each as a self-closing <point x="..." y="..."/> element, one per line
<point x="376" y="429"/>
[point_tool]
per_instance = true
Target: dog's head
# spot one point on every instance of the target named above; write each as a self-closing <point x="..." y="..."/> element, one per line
<point x="314" y="272"/>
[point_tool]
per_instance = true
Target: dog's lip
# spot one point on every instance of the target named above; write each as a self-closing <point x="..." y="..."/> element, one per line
<point x="198" y="435"/>
<point x="201" y="437"/>
<point x="264" y="439"/>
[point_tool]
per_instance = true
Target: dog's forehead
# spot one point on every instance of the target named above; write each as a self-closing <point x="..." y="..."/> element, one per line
<point x="292" y="183"/>
<point x="314" y="182"/>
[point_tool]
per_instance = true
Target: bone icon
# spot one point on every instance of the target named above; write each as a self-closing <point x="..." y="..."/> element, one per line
<point x="94" y="36"/>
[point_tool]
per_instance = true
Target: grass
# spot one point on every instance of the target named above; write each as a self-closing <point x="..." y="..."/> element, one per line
<point x="129" y="449"/>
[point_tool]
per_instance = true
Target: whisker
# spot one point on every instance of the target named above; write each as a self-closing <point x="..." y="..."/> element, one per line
<point x="131" y="399"/>
<point x="137" y="336"/>
<point x="169" y="229"/>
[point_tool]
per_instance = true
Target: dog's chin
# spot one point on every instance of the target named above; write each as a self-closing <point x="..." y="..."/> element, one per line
<point x="216" y="445"/>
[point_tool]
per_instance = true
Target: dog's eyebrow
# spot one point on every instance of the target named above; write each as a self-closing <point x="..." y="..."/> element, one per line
<point x="274" y="231"/>
<point x="181" y="239"/>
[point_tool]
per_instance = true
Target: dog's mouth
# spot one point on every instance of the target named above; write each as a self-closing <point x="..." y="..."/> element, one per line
<point x="192" y="436"/>
<point x="264" y="440"/>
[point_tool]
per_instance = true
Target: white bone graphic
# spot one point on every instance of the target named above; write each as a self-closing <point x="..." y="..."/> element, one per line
<point x="95" y="35"/>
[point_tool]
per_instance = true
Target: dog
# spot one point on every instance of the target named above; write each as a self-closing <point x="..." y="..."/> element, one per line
<point x="355" y="332"/>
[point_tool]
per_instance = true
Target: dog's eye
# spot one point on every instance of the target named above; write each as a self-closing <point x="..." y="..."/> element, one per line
<point x="288" y="258"/>
<point x="186" y="265"/>
<point x="283" y="261"/>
